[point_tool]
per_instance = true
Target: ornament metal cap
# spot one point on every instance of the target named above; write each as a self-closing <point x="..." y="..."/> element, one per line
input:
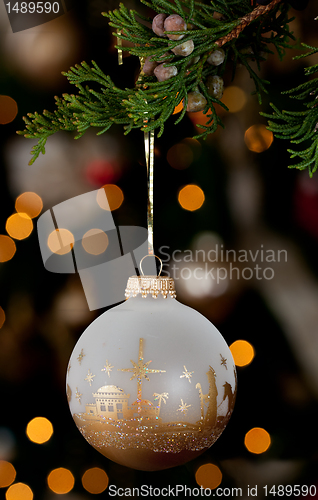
<point x="150" y="285"/>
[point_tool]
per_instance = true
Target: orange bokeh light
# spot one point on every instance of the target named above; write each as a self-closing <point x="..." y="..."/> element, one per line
<point x="7" y="248"/>
<point x="95" y="241"/>
<point x="19" y="226"/>
<point x="234" y="98"/>
<point x="61" y="480"/>
<point x="243" y="352"/>
<point x="8" y="109"/>
<point x="95" y="480"/>
<point x="180" y="156"/>
<point x="29" y="203"/>
<point x="257" y="440"/>
<point x="61" y="241"/>
<point x="19" y="491"/>
<point x="7" y="474"/>
<point x="208" y="476"/>
<point x="114" y="196"/>
<point x="191" y="197"/>
<point x="2" y="317"/>
<point x="39" y="430"/>
<point x="257" y="138"/>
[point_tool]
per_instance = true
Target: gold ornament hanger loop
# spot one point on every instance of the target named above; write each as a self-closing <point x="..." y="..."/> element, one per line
<point x="151" y="255"/>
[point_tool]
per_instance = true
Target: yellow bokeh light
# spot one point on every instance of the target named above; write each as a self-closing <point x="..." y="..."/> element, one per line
<point x="191" y="197"/>
<point x="95" y="241"/>
<point x="180" y="156"/>
<point x="234" y="98"/>
<point x="257" y="138"/>
<point x="60" y="480"/>
<point x="114" y="196"/>
<point x="242" y="352"/>
<point x="95" y="480"/>
<point x="29" y="203"/>
<point x="7" y="474"/>
<point x="8" y="109"/>
<point x="60" y="241"/>
<point x="208" y="476"/>
<point x="39" y="430"/>
<point x="257" y="440"/>
<point x="19" y="226"/>
<point x="2" y="317"/>
<point x="19" y="491"/>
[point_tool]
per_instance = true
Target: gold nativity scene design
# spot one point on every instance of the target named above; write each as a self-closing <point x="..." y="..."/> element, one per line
<point x="105" y="421"/>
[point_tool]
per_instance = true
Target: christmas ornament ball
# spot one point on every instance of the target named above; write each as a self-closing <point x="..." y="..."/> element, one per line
<point x="151" y="383"/>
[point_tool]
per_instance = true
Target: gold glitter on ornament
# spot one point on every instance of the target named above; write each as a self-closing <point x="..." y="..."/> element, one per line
<point x="187" y="374"/>
<point x="223" y="361"/>
<point x="107" y="368"/>
<point x="81" y="356"/>
<point x="123" y="431"/>
<point x="89" y="377"/>
<point x="68" y="368"/>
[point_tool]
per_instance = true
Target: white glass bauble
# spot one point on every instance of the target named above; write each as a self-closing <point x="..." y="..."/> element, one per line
<point x="151" y="383"/>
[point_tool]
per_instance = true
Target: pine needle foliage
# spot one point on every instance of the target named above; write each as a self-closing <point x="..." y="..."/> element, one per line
<point x="300" y="127"/>
<point x="246" y="33"/>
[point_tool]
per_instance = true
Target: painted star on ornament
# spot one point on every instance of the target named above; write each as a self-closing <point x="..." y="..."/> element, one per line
<point x="223" y="361"/>
<point x="78" y="395"/>
<point x="183" y="407"/>
<point x="89" y="377"/>
<point x="140" y="370"/>
<point x="186" y="374"/>
<point x="80" y="356"/>
<point x="107" y="368"/>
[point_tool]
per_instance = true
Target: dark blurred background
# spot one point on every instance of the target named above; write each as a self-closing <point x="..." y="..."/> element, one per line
<point x="252" y="203"/>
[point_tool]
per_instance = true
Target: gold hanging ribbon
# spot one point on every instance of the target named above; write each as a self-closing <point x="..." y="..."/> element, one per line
<point x="149" y="139"/>
<point x="120" y="51"/>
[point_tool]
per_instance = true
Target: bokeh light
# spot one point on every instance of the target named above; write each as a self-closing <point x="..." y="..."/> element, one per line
<point x="95" y="480"/>
<point x="178" y="108"/>
<point x="19" y="226"/>
<point x="95" y="241"/>
<point x="60" y="241"/>
<point x="8" y="109"/>
<point x="19" y="491"/>
<point x="208" y="476"/>
<point x="257" y="440"/>
<point x="29" y="203"/>
<point x="234" y="98"/>
<point x="2" y="317"/>
<point x="39" y="430"/>
<point x="7" y="474"/>
<point x="7" y="248"/>
<point x="257" y="138"/>
<point x="60" y="480"/>
<point x="114" y="196"/>
<point x="191" y="197"/>
<point x="243" y="352"/>
<point x="180" y="156"/>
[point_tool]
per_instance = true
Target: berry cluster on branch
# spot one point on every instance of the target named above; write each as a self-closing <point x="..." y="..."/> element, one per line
<point x="185" y="49"/>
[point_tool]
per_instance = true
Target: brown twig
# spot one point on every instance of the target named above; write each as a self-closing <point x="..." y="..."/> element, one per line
<point x="245" y="21"/>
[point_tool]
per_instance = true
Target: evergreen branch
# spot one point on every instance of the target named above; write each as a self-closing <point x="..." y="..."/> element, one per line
<point x="240" y="29"/>
<point x="300" y="127"/>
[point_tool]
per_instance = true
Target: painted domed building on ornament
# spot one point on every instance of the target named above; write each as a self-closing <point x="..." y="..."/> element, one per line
<point x="112" y="402"/>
